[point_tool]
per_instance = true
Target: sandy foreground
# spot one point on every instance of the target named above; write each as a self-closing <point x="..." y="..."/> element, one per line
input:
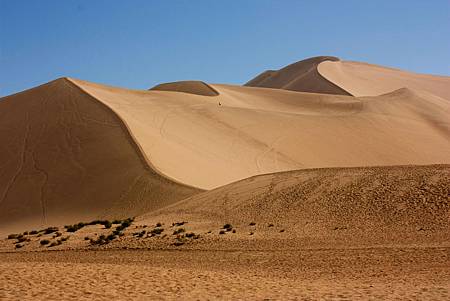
<point x="420" y="273"/>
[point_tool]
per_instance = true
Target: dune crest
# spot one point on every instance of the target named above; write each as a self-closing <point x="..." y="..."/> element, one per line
<point x="362" y="79"/>
<point x="300" y="76"/>
<point x="192" y="87"/>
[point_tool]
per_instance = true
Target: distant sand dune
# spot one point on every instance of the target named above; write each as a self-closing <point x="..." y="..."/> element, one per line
<point x="193" y="87"/>
<point x="301" y="76"/>
<point x="362" y="79"/>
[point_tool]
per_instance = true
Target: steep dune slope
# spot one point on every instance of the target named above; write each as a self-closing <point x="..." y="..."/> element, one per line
<point x="193" y="87"/>
<point x="362" y="79"/>
<point x="327" y="207"/>
<point x="300" y="76"/>
<point x="66" y="157"/>
<point x="194" y="140"/>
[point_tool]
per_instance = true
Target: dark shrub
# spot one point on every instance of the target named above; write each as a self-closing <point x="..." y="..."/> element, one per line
<point x="282" y="230"/>
<point x="18" y="246"/>
<point x="64" y="238"/>
<point x="25" y="233"/>
<point x="221" y="232"/>
<point x="158" y="224"/>
<point x="33" y="232"/>
<point x="251" y="233"/>
<point x="116" y="221"/>
<point x="22" y="239"/>
<point x="227" y="226"/>
<point x="234" y="230"/>
<point x="157" y="231"/>
<point x="177" y="224"/>
<point x="13" y="236"/>
<point x="111" y="237"/>
<point x="50" y="230"/>
<point x="178" y="231"/>
<point x="252" y="224"/>
<point x="270" y="225"/>
<point x="86" y="238"/>
<point x="44" y="242"/>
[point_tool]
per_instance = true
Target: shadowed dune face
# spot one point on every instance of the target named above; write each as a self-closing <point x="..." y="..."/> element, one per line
<point x="65" y="157"/>
<point x="301" y="76"/>
<point x="192" y="87"/>
<point x="370" y="205"/>
<point x="362" y="79"/>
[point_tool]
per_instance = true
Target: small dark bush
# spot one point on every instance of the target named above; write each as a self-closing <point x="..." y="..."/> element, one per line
<point x="227" y="226"/>
<point x="117" y="232"/>
<point x="178" y="231"/>
<point x="25" y="233"/>
<point x="44" y="242"/>
<point x="252" y="224"/>
<point x="116" y="221"/>
<point x="64" y="238"/>
<point x="251" y="233"/>
<point x="157" y="231"/>
<point x="22" y="239"/>
<point x="13" y="236"/>
<point x="111" y="237"/>
<point x="18" y="246"/>
<point x="228" y="229"/>
<point x="57" y="234"/>
<point x="270" y="225"/>
<point x="50" y="230"/>
<point x="190" y="235"/>
<point x="33" y="232"/>
<point x="107" y="224"/>
<point x="158" y="225"/>
<point x="221" y="232"/>
<point x="86" y="238"/>
<point x="234" y="230"/>
<point x="282" y="230"/>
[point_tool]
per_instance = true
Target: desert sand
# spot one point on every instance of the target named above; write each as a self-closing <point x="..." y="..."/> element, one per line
<point x="326" y="179"/>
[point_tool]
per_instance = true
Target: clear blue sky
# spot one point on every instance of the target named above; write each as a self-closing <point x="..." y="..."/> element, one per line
<point x="138" y="44"/>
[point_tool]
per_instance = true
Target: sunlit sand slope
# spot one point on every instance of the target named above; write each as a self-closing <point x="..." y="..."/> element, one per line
<point x="211" y="141"/>
<point x="66" y="157"/>
<point x="362" y="79"/>
<point x="339" y="206"/>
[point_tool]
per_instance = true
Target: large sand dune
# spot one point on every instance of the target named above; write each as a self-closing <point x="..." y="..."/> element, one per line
<point x="66" y="157"/>
<point x="207" y="142"/>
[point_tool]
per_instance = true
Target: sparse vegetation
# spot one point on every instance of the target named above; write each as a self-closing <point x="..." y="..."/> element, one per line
<point x="158" y="225"/>
<point x="234" y="231"/>
<point x="86" y="238"/>
<point x="14" y="236"/>
<point x="33" y="232"/>
<point x="282" y="230"/>
<point x="270" y="225"/>
<point x="25" y="233"/>
<point x="157" y="231"/>
<point x="50" y="230"/>
<point x="252" y="224"/>
<point x="227" y="226"/>
<point x="18" y="246"/>
<point x="221" y="232"/>
<point x="178" y="231"/>
<point x="251" y="233"/>
<point x="44" y="242"/>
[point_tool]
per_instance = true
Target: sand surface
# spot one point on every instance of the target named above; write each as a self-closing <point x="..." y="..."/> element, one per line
<point x="362" y="79"/>
<point x="325" y="179"/>
<point x="328" y="274"/>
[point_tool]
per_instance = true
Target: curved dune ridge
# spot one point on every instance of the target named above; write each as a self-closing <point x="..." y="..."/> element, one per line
<point x="192" y="87"/>
<point x="198" y="142"/>
<point x="67" y="157"/>
<point x="74" y="150"/>
<point x="362" y="79"/>
<point x="300" y="76"/>
<point x="337" y="206"/>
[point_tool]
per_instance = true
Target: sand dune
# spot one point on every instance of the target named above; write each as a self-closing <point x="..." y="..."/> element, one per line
<point x="66" y="157"/>
<point x="194" y="140"/>
<point x="300" y="76"/>
<point x="69" y="142"/>
<point x="362" y="79"/>
<point x="193" y="87"/>
<point x="339" y="207"/>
